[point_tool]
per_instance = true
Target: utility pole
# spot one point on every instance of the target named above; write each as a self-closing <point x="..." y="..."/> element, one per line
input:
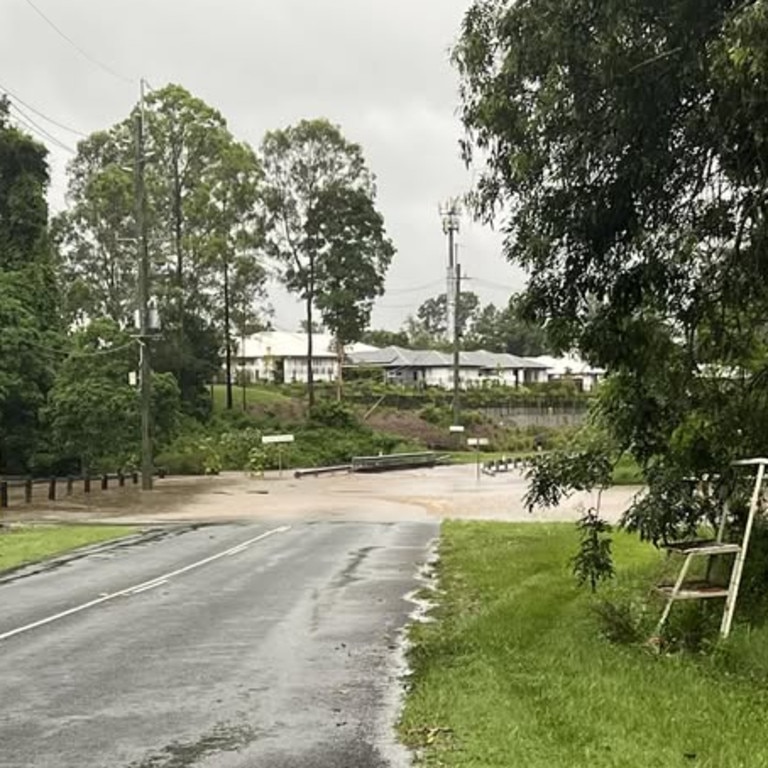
<point x="227" y="333"/>
<point x="147" y="470"/>
<point x="450" y="213"/>
<point x="456" y="340"/>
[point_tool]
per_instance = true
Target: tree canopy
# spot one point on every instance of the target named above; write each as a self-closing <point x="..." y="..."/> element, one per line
<point x="204" y="229"/>
<point x="30" y="335"/>
<point x="624" y="150"/>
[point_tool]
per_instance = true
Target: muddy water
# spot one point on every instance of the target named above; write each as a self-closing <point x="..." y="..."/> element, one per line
<point x="428" y="494"/>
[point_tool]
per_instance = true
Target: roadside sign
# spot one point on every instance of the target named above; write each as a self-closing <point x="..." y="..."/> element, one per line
<point x="279" y="441"/>
<point x="275" y="439"/>
<point x="476" y="442"/>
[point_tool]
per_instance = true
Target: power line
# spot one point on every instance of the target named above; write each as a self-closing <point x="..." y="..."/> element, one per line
<point x="415" y="288"/>
<point x="493" y="285"/>
<point x="83" y="53"/>
<point x="70" y="353"/>
<point x="37" y="129"/>
<point x="42" y="114"/>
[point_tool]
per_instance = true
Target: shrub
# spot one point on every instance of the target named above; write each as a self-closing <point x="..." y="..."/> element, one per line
<point x="177" y="463"/>
<point x="593" y="562"/>
<point x="331" y="413"/>
<point x="620" y="621"/>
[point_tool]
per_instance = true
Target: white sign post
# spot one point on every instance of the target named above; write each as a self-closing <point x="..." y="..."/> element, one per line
<point x="477" y="443"/>
<point x="279" y="441"/>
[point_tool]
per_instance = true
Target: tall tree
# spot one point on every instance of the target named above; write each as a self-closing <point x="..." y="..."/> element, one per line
<point x="95" y="235"/>
<point x="202" y="203"/>
<point x="430" y="326"/>
<point x="310" y="168"/>
<point x="30" y="337"/>
<point x="353" y="257"/>
<point x="384" y="338"/>
<point x="625" y="144"/>
<point x="505" y="330"/>
<point x="228" y="246"/>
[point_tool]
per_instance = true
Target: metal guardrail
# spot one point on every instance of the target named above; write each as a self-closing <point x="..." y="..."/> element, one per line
<point x="371" y="464"/>
<point x="396" y="461"/>
<point x="317" y="471"/>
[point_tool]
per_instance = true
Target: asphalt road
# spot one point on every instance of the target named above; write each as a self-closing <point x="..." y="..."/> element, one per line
<point x="255" y="646"/>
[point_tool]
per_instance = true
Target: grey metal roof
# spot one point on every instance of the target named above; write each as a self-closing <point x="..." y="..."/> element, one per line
<point x="398" y="357"/>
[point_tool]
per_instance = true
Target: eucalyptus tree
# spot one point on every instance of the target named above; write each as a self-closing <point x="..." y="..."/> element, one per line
<point x="319" y="198"/>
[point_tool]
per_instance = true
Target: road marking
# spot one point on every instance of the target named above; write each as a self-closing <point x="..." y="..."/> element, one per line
<point x="144" y="585"/>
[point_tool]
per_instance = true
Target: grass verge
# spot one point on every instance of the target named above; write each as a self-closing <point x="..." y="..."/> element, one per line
<point x="19" y="546"/>
<point x="514" y="671"/>
<point x="470" y="457"/>
<point x="627" y="472"/>
<point x="254" y="396"/>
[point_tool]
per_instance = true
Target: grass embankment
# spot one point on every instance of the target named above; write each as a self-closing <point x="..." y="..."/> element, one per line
<point x="514" y="672"/>
<point x="262" y="397"/>
<point x="626" y="471"/>
<point x="470" y="457"/>
<point x="19" y="546"/>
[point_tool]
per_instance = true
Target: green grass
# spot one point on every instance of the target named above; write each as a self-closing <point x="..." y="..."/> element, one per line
<point x="470" y="457"/>
<point x="27" y="545"/>
<point x="627" y="472"/>
<point x="254" y="396"/>
<point x="514" y="671"/>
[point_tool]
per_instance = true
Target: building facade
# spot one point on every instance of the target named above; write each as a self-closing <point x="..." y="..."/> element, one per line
<point x="280" y="357"/>
<point x="431" y="368"/>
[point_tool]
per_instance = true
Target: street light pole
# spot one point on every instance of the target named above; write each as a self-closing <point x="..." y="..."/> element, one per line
<point x="450" y="213"/>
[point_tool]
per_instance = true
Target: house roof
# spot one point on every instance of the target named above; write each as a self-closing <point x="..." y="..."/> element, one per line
<point x="286" y="344"/>
<point x="398" y="357"/>
<point x="567" y="365"/>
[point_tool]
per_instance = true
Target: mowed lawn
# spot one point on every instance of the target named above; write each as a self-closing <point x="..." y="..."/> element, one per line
<point x="514" y="671"/>
<point x="19" y="546"/>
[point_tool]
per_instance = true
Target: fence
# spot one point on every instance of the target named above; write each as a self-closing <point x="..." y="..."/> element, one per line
<point x="55" y="485"/>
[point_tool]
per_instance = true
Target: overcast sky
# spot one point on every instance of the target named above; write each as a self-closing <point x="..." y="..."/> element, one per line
<point x="377" y="68"/>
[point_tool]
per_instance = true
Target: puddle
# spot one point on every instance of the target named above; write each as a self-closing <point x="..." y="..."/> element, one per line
<point x="222" y="738"/>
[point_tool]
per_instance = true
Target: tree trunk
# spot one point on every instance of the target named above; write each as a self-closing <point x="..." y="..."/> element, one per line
<point x="227" y="336"/>
<point x="340" y="375"/>
<point x="310" y="373"/>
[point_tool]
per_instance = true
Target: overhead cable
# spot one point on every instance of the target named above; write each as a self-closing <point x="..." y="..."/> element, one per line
<point x="100" y="64"/>
<point x="37" y="129"/>
<point x="42" y="114"/>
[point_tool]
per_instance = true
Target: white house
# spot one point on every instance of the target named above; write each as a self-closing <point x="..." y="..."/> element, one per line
<point x="281" y="357"/>
<point x="569" y="368"/>
<point x="416" y="367"/>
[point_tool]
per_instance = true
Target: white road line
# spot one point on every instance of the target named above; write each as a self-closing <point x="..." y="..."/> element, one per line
<point x="149" y="586"/>
<point x="144" y="585"/>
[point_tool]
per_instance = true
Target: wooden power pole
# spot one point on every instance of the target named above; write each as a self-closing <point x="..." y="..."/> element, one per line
<point x="145" y="373"/>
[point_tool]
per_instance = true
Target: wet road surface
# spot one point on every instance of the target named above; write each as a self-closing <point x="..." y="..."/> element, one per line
<point x="227" y="646"/>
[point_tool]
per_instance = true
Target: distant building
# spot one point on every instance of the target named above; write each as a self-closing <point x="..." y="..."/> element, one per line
<point x="281" y="357"/>
<point x="430" y="368"/>
<point x="585" y="376"/>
